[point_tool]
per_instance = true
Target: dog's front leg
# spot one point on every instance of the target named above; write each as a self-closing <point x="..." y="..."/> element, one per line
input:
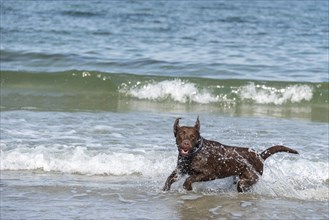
<point x="197" y="178"/>
<point x="174" y="176"/>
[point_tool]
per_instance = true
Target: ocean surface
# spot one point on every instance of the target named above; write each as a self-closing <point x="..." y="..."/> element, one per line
<point x="90" y="91"/>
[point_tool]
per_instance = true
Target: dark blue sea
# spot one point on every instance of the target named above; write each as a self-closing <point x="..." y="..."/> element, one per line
<point x="90" y="91"/>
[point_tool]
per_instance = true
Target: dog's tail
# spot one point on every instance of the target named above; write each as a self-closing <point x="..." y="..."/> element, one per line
<point x="276" y="149"/>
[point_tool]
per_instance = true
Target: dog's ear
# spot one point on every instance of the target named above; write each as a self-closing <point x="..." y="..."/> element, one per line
<point x="176" y="126"/>
<point x="197" y="124"/>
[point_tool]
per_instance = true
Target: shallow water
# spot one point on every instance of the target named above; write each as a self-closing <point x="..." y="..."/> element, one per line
<point x="90" y="91"/>
<point x="109" y="165"/>
<point x="69" y="196"/>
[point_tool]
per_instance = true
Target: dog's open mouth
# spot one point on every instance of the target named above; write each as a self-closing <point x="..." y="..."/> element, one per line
<point x="184" y="152"/>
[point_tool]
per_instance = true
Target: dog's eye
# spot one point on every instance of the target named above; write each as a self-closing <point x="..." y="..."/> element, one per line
<point x="192" y="136"/>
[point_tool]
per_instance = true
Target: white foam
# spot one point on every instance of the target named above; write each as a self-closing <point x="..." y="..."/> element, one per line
<point x="177" y="90"/>
<point x="83" y="161"/>
<point x="187" y="92"/>
<point x="294" y="177"/>
<point x="302" y="179"/>
<point x="270" y="95"/>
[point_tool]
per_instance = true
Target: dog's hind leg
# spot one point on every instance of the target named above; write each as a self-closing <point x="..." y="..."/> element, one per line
<point x="247" y="179"/>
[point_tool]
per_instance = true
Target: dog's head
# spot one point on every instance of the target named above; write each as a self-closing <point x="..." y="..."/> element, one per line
<point x="187" y="138"/>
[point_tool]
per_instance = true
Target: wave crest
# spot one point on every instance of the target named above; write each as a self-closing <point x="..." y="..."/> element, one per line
<point x="81" y="160"/>
<point x="183" y="91"/>
<point x="177" y="90"/>
<point x="262" y="94"/>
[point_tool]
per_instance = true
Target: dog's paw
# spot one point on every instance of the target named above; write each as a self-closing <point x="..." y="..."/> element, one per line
<point x="187" y="186"/>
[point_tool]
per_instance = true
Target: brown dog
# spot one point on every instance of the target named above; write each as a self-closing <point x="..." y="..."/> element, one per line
<point x="205" y="160"/>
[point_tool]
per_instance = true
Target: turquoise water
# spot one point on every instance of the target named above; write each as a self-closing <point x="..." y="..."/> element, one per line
<point x="90" y="91"/>
<point x="99" y="91"/>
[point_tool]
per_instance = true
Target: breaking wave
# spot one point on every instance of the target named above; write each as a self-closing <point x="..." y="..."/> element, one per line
<point x="83" y="90"/>
<point x="176" y="90"/>
<point x="263" y="94"/>
<point x="186" y="92"/>
<point x="288" y="176"/>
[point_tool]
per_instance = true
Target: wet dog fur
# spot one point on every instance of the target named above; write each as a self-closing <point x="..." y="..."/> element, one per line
<point x="205" y="160"/>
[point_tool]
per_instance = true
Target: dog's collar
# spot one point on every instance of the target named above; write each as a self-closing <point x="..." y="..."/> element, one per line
<point x="198" y="147"/>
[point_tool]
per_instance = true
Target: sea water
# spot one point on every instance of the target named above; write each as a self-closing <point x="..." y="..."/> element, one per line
<point x="90" y="92"/>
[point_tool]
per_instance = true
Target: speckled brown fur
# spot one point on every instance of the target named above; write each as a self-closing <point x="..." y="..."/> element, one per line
<point x="205" y="160"/>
